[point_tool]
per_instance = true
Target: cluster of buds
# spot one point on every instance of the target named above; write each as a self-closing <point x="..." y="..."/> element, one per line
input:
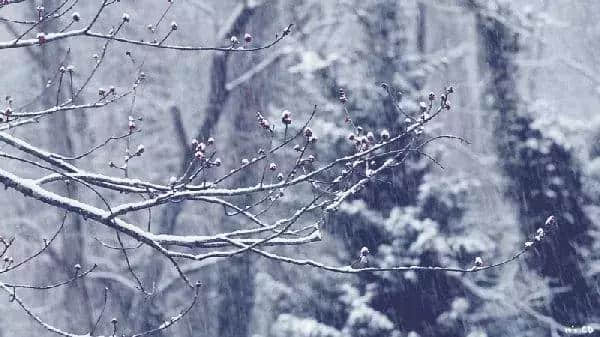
<point x="200" y="148"/>
<point x="363" y="140"/>
<point x="342" y="96"/>
<point x="549" y="225"/>
<point x="286" y="117"/>
<point x="263" y="122"/>
<point x="103" y="92"/>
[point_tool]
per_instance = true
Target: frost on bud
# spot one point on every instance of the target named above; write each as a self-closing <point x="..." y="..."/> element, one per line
<point x="101" y="92"/>
<point x="125" y="17"/>
<point x="217" y="162"/>
<point x="234" y="40"/>
<point x="370" y="136"/>
<point x="310" y="158"/>
<point x="247" y="38"/>
<point x="210" y="141"/>
<point x="77" y="267"/>
<point x="173" y="25"/>
<point x="62" y="69"/>
<point x="199" y="154"/>
<point x="272" y="166"/>
<point x="76" y="17"/>
<point x="351" y="137"/>
<point x="245" y="162"/>
<point x="342" y="96"/>
<point x="131" y="124"/>
<point x="308" y="132"/>
<point x="422" y="106"/>
<point x="478" y="261"/>
<point x="431" y="96"/>
<point x="194" y="142"/>
<point x="359" y="130"/>
<point x="550" y="221"/>
<point x="264" y="123"/>
<point x="297" y="147"/>
<point x="528" y="244"/>
<point x="286" y="117"/>
<point x="539" y="234"/>
<point x="364" y="251"/>
<point x="385" y="134"/>
<point x="407" y="120"/>
<point x="280" y="176"/>
<point x="172" y="180"/>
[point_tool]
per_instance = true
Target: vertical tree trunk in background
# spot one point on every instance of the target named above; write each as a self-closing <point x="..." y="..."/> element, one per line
<point x="73" y="239"/>
<point x="421" y="27"/>
<point x="236" y="286"/>
<point x="543" y="178"/>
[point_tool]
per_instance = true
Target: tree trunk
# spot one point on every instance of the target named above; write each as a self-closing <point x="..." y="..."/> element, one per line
<point x="543" y="179"/>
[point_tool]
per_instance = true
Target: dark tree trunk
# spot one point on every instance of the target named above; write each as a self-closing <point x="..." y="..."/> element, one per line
<point x="543" y="178"/>
<point x="61" y="140"/>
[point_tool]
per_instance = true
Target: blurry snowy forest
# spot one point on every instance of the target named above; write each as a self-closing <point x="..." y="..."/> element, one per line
<point x="149" y="145"/>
